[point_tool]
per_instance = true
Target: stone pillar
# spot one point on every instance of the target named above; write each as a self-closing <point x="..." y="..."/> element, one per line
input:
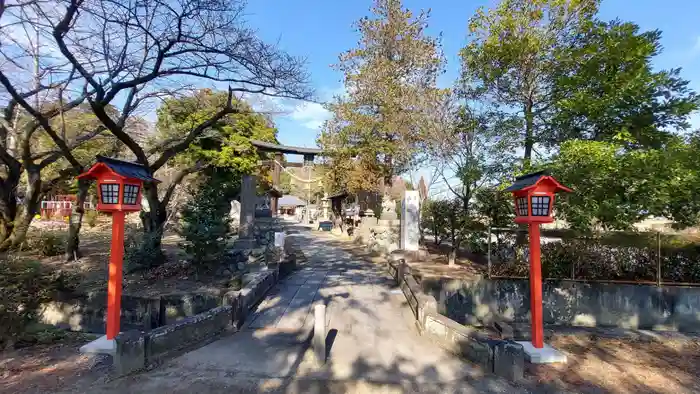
<point x="326" y="204"/>
<point x="410" y="221"/>
<point x="247" y="215"/>
<point x="276" y="171"/>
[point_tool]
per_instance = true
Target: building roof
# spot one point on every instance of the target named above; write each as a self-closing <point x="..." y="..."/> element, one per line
<point x="270" y="147"/>
<point x="122" y="168"/>
<point x="290" y="201"/>
<point x="530" y="180"/>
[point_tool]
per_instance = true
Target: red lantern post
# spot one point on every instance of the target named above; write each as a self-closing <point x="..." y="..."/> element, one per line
<point x="534" y="201"/>
<point x="119" y="185"/>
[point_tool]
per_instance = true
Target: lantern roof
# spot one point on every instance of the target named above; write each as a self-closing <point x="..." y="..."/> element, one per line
<point x="532" y="180"/>
<point x="125" y="169"/>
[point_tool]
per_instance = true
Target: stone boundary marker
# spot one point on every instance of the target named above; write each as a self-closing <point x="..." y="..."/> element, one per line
<point x="137" y="350"/>
<point x="502" y="357"/>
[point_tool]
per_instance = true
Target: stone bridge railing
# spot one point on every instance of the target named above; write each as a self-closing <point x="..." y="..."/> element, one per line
<point x="501" y="357"/>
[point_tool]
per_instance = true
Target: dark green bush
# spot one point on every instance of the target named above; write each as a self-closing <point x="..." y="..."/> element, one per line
<point x="25" y="285"/>
<point x="142" y="251"/>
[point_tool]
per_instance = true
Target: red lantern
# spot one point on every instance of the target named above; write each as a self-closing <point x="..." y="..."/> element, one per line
<point x="534" y="201"/>
<point x="119" y="185"/>
<point x="534" y="197"/>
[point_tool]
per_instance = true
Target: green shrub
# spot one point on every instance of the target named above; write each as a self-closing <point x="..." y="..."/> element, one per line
<point x="205" y="227"/>
<point x="142" y="251"/>
<point x="91" y="218"/>
<point x="48" y="243"/>
<point x="25" y="286"/>
<point x="595" y="260"/>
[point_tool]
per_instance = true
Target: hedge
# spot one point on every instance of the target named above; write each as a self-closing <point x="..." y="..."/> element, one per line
<point x="588" y="259"/>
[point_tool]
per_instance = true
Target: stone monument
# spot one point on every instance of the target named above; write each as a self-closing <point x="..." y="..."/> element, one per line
<point x="246" y="237"/>
<point x="410" y="221"/>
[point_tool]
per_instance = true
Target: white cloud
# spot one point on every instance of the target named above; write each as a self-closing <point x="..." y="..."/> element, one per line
<point x="310" y="115"/>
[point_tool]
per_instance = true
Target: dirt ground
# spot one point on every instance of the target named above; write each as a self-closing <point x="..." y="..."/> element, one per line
<point x="172" y="277"/>
<point x="432" y="264"/>
<point x="611" y="365"/>
<point x="46" y="368"/>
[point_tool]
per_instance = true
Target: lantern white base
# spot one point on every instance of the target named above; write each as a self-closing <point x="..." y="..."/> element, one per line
<point x="101" y="345"/>
<point x="545" y="355"/>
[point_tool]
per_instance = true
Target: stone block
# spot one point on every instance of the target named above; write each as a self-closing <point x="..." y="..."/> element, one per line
<point x="504" y="329"/>
<point x="509" y="360"/>
<point x="179" y="306"/>
<point x="477" y="351"/>
<point x="130" y="355"/>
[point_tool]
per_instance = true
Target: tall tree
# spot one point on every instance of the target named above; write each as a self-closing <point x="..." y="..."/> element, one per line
<point x="391" y="84"/>
<point x="513" y="52"/>
<point x="606" y="89"/>
<point x="130" y="54"/>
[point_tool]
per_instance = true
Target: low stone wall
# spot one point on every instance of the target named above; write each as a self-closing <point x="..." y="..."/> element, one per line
<point x="87" y="312"/>
<point x="137" y="349"/>
<point x="571" y="303"/>
<point x="501" y="357"/>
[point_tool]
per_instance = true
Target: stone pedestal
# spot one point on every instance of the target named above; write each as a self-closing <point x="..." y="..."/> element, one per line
<point x="388" y="209"/>
<point x="545" y="355"/>
<point x="326" y="207"/>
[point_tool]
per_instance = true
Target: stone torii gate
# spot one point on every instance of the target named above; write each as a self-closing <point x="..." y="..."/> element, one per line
<point x="279" y="150"/>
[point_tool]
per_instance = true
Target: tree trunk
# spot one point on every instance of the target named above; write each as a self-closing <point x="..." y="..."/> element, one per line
<point x="8" y="204"/>
<point x="452" y="257"/>
<point x="527" y="158"/>
<point x="76" y="221"/>
<point x="529" y="134"/>
<point x="154" y="219"/>
<point x="25" y="215"/>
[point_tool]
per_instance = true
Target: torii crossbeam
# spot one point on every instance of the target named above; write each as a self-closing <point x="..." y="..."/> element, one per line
<point x="279" y="150"/>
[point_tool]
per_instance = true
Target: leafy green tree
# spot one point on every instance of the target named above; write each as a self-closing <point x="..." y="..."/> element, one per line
<point x="495" y="205"/>
<point x="605" y="89"/>
<point x="391" y="84"/>
<point x="510" y="61"/>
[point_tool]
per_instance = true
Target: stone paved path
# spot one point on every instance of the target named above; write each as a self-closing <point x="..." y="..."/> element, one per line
<point x="374" y="345"/>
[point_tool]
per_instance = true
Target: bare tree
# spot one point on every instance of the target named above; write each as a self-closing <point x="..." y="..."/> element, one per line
<point x="128" y="54"/>
<point x="467" y="145"/>
<point x="37" y="91"/>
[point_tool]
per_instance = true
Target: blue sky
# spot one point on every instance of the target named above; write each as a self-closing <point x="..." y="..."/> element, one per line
<point x="321" y="29"/>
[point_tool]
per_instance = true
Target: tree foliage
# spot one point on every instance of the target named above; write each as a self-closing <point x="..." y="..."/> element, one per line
<point x="615" y="187"/>
<point x="391" y="84"/>
<point x="205" y="225"/>
<point x="225" y="144"/>
<point x="606" y="89"/>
